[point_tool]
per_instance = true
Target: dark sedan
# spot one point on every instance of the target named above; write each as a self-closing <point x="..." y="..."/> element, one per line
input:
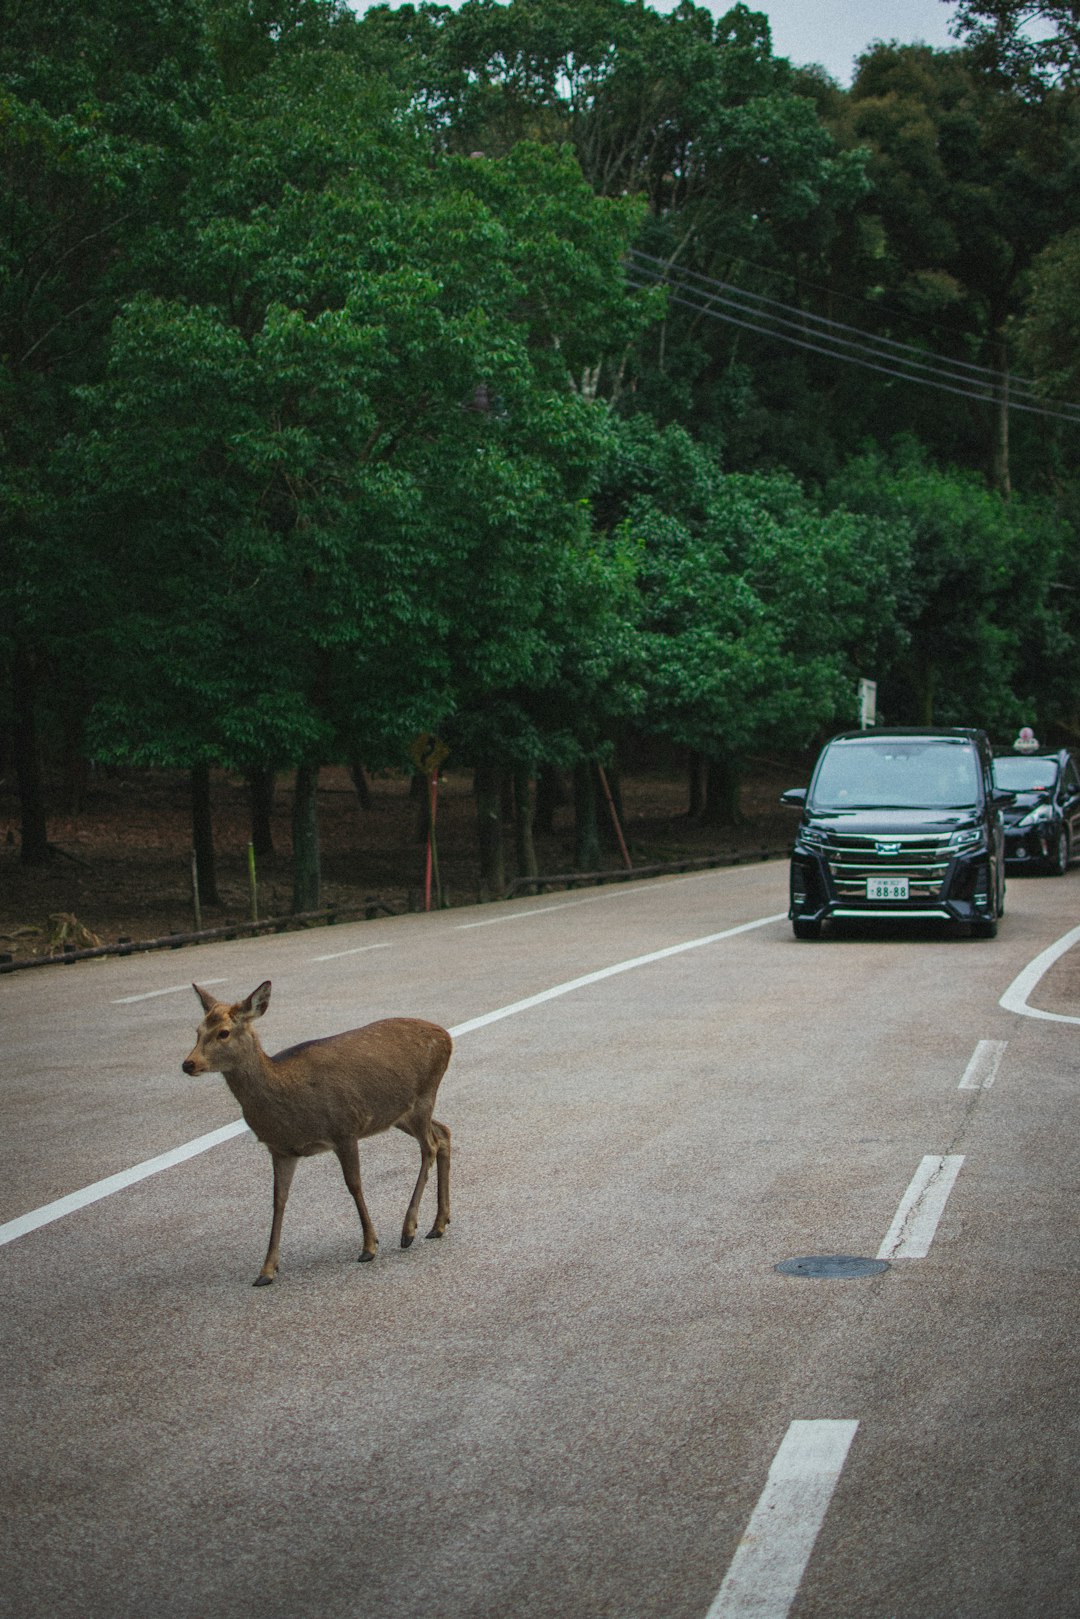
<point x="1042" y="824"/>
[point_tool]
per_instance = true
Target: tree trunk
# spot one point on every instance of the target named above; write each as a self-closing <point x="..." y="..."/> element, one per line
<point x="76" y="767"/>
<point x="697" y="770"/>
<point x="550" y="796"/>
<point x="1002" y="478"/>
<point x="487" y="786"/>
<point x="261" y="784"/>
<point x="586" y="823"/>
<point x="420" y="793"/>
<point x="305" y="840"/>
<point x="34" y="842"/>
<point x="524" y="845"/>
<point x="202" y="835"/>
<point x="924" y="682"/>
<point x="360" y="782"/>
<point x="722" y="782"/>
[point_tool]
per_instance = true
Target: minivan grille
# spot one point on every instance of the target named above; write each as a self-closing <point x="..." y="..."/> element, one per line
<point x="854" y="857"/>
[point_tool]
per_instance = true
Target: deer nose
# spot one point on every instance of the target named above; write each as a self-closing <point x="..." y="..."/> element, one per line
<point x="188" y="1066"/>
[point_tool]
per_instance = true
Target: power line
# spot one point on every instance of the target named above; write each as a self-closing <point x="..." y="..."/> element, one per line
<point x="721" y="300"/>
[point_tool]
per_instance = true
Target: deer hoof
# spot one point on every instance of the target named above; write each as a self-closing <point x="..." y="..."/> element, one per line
<point x="365" y="1258"/>
<point x="262" y="1281"/>
<point x="433" y="1233"/>
<point x="407" y="1242"/>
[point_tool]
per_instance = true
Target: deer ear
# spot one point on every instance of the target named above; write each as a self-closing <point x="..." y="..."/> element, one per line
<point x="257" y="1001"/>
<point x="208" y="1001"/>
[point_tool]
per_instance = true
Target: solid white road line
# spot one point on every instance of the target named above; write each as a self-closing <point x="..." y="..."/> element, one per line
<point x="609" y="972"/>
<point x="115" y="1183"/>
<point x="1015" y="997"/>
<point x="360" y="950"/>
<point x="152" y="1166"/>
<point x="921" y="1207"/>
<point x="771" y="1558"/>
<point x="981" y="1071"/>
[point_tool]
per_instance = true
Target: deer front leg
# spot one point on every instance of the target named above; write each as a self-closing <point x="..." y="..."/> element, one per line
<point x="348" y="1154"/>
<point x="284" y="1169"/>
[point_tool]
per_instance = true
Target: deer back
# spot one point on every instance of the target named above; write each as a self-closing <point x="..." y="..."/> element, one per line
<point x="352" y="1084"/>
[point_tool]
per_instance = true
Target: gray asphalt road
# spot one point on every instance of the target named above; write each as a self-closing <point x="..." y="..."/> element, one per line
<point x="598" y="1395"/>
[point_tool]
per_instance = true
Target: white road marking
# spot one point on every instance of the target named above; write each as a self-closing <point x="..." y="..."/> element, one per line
<point x="115" y="1183"/>
<point x="152" y="1166"/>
<point x="770" y="1559"/>
<point x="173" y="989"/>
<point x="981" y="1071"/>
<point x="623" y="890"/>
<point x="523" y="916"/>
<point x="1016" y="996"/>
<point x="336" y="955"/>
<point x="608" y="972"/>
<point x="921" y="1207"/>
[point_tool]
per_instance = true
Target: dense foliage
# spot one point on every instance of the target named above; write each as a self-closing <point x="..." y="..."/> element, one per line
<point x="536" y="374"/>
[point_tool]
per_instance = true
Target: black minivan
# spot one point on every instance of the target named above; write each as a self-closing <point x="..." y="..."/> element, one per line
<point x="900" y="824"/>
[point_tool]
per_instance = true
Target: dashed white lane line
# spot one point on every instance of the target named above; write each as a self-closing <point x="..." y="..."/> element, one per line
<point x="1015" y="997"/>
<point x="981" y="1071"/>
<point x="359" y="950"/>
<point x="152" y="1166"/>
<point x="152" y="994"/>
<point x="921" y="1207"/>
<point x="770" y="1559"/>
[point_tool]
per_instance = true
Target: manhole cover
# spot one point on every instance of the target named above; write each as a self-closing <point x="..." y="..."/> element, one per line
<point x="831" y="1265"/>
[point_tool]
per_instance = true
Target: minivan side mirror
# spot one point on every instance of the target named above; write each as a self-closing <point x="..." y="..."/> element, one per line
<point x="1002" y="796"/>
<point x="795" y="796"/>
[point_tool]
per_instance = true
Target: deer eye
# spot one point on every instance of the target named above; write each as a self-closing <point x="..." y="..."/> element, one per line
<point x="223" y="1034"/>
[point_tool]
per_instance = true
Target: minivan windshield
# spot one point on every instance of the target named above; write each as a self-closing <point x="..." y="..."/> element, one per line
<point x="1022" y="775"/>
<point x="896" y="773"/>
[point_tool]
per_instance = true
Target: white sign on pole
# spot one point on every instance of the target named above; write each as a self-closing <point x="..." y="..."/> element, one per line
<point x="867" y="703"/>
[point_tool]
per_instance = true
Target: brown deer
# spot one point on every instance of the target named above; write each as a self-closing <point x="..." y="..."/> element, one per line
<point x="322" y="1095"/>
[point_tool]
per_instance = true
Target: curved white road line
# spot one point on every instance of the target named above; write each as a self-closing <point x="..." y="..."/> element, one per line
<point x="1015" y="998"/>
<point x="48" y="1212"/>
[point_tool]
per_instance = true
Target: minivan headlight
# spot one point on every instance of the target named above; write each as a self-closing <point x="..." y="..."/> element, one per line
<point x="1041" y="812"/>
<point x="815" y="836"/>
<point x="966" y="838"/>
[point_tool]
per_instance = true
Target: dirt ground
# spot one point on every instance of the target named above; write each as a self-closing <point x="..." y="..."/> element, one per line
<point x="121" y="867"/>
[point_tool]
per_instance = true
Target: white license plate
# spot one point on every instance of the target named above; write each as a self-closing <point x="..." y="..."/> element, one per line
<point x="886" y="888"/>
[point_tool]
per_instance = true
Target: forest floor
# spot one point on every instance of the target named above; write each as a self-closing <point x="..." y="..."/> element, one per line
<point x="121" y="867"/>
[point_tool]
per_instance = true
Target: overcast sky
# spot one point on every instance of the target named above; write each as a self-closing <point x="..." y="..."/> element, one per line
<point x="834" y="32"/>
<point x="831" y="32"/>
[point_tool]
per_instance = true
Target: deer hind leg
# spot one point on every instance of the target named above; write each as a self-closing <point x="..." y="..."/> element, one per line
<point x="284" y="1169"/>
<point x="423" y="1132"/>
<point x="442" y="1164"/>
<point x="348" y="1153"/>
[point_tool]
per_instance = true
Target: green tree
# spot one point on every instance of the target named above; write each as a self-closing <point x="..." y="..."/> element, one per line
<point x="986" y="626"/>
<point x="971" y="180"/>
<point x="1048" y="335"/>
<point x="96" y="114"/>
<point x="364" y="419"/>
<point x="1002" y="38"/>
<point x="759" y="610"/>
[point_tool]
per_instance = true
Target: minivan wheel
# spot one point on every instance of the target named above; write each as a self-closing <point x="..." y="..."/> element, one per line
<point x="804" y="929"/>
<point x="1059" y="860"/>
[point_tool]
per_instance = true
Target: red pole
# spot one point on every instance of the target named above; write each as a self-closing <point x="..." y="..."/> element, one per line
<point x="627" y="862"/>
<point x="433" y="789"/>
